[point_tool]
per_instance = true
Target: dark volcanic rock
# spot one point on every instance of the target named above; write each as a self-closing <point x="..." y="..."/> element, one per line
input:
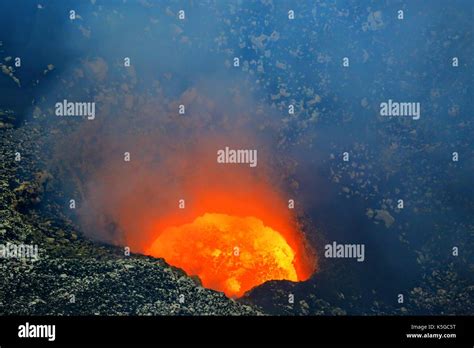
<point x="74" y="276"/>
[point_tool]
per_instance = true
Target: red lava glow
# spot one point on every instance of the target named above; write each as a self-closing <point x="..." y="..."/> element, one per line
<point x="228" y="253"/>
<point x="227" y="206"/>
<point x="235" y="242"/>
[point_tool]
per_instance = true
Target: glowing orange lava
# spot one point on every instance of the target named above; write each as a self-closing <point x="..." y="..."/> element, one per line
<point x="228" y="253"/>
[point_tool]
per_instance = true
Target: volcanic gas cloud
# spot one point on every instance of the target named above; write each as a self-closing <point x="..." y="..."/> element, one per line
<point x="229" y="224"/>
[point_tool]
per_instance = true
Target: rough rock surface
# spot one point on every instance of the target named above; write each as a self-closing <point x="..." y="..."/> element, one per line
<point x="74" y="276"/>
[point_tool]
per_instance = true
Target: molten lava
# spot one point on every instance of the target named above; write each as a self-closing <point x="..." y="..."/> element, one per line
<point x="228" y="253"/>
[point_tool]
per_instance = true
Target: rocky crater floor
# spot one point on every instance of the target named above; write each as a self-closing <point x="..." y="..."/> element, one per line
<point x="76" y="276"/>
<point x="72" y="275"/>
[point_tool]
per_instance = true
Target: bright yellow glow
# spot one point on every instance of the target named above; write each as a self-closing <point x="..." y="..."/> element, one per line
<point x="229" y="253"/>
